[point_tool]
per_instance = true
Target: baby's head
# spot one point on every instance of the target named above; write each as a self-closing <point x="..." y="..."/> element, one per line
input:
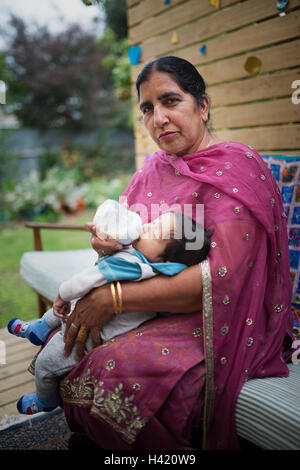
<point x="173" y="236"/>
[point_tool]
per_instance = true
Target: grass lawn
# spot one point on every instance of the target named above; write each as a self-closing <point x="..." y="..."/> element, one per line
<point x="16" y="297"/>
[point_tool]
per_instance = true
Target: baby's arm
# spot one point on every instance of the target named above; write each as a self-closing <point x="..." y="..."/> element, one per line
<point x="80" y="284"/>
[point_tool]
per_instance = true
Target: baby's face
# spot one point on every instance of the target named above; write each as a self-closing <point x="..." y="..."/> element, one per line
<point x="155" y="236"/>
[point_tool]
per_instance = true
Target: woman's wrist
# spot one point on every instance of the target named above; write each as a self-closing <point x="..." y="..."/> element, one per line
<point x="101" y="301"/>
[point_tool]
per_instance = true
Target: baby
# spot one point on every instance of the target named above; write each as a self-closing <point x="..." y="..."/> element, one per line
<point x="161" y="248"/>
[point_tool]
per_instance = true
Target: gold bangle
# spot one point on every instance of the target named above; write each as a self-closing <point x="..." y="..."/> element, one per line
<point x="113" y="294"/>
<point x="119" y="290"/>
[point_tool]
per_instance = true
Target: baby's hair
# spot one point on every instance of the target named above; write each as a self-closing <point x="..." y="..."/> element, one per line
<point x="176" y="249"/>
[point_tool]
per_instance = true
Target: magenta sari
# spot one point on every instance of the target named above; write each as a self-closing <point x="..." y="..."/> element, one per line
<point x="174" y="382"/>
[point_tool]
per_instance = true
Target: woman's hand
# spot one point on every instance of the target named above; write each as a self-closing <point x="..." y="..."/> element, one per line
<point x="90" y="314"/>
<point x="101" y="242"/>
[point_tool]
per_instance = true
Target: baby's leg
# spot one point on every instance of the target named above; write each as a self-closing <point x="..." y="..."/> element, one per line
<point x="50" y="366"/>
<point x="35" y="331"/>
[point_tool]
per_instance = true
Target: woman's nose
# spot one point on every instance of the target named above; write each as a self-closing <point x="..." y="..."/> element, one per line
<point x="160" y="117"/>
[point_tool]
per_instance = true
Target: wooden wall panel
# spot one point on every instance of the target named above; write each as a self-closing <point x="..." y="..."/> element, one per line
<point x="146" y="9"/>
<point x="131" y="3"/>
<point x="223" y="21"/>
<point x="274" y="58"/>
<point x="255" y="109"/>
<point x="251" y="38"/>
<point x="173" y="18"/>
<point x="255" y="114"/>
<point x="267" y="138"/>
<point x="252" y="89"/>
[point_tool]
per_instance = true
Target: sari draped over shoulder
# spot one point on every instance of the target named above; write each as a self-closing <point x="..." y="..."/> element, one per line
<point x="174" y="374"/>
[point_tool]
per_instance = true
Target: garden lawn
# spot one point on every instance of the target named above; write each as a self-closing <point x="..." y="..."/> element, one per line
<point x="17" y="299"/>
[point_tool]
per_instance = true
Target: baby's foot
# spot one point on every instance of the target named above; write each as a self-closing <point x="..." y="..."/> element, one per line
<point x="35" y="331"/>
<point x="31" y="404"/>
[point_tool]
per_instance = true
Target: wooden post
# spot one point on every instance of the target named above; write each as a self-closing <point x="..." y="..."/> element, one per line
<point x="42" y="306"/>
<point x="37" y="239"/>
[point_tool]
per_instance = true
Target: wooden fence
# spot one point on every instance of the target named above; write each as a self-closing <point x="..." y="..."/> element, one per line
<point x="247" y="52"/>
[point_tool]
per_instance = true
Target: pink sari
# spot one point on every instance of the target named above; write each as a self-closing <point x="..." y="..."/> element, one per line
<point x="157" y="386"/>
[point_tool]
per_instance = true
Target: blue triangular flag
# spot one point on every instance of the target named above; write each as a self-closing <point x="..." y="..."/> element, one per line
<point x="134" y="54"/>
<point x="203" y="50"/>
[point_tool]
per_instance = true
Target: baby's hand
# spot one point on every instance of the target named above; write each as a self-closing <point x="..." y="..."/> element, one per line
<point x="95" y="230"/>
<point x="101" y="242"/>
<point x="61" y="308"/>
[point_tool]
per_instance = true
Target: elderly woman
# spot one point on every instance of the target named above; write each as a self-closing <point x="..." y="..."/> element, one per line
<point x="173" y="382"/>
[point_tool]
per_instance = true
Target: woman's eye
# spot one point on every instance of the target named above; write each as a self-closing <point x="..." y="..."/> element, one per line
<point x="146" y="109"/>
<point x="171" y="101"/>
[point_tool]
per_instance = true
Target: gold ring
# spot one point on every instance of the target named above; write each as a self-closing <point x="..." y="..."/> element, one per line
<point x="82" y="334"/>
<point x="103" y="252"/>
<point x="74" y="326"/>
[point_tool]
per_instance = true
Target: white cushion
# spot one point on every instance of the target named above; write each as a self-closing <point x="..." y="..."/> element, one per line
<point x="268" y="411"/>
<point x="46" y="270"/>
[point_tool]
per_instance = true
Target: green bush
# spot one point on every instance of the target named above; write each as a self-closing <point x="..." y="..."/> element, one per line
<point x="100" y="189"/>
<point x="34" y="196"/>
<point x="57" y="193"/>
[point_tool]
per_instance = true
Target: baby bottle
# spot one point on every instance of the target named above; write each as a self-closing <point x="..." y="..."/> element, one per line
<point x="119" y="223"/>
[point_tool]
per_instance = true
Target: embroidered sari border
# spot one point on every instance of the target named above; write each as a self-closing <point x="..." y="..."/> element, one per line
<point x="109" y="405"/>
<point x="129" y="433"/>
<point x="208" y="348"/>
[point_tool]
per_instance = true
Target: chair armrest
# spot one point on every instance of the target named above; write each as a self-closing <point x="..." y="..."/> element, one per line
<point x="37" y="227"/>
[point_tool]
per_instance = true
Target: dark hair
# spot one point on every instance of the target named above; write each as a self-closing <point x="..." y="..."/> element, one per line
<point x="182" y="71"/>
<point x="176" y="249"/>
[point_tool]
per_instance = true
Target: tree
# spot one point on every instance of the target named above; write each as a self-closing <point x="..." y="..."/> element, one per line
<point x="115" y="15"/>
<point x="115" y="44"/>
<point x="56" y="80"/>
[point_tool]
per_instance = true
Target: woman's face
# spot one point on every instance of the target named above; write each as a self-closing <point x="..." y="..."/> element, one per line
<point x="174" y="120"/>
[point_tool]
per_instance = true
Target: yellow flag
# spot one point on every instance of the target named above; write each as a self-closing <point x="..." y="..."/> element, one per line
<point x="253" y="65"/>
<point x="174" y="38"/>
<point x="215" y="3"/>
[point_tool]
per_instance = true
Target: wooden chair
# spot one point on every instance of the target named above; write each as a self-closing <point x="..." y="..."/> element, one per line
<point x="45" y="270"/>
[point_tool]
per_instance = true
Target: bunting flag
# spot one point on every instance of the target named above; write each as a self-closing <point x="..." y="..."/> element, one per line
<point x="282" y="4"/>
<point x="174" y="38"/>
<point x="134" y="54"/>
<point x="215" y="3"/>
<point x="252" y="65"/>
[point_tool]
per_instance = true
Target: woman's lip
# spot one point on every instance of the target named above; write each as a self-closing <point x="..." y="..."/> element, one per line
<point x="166" y="135"/>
